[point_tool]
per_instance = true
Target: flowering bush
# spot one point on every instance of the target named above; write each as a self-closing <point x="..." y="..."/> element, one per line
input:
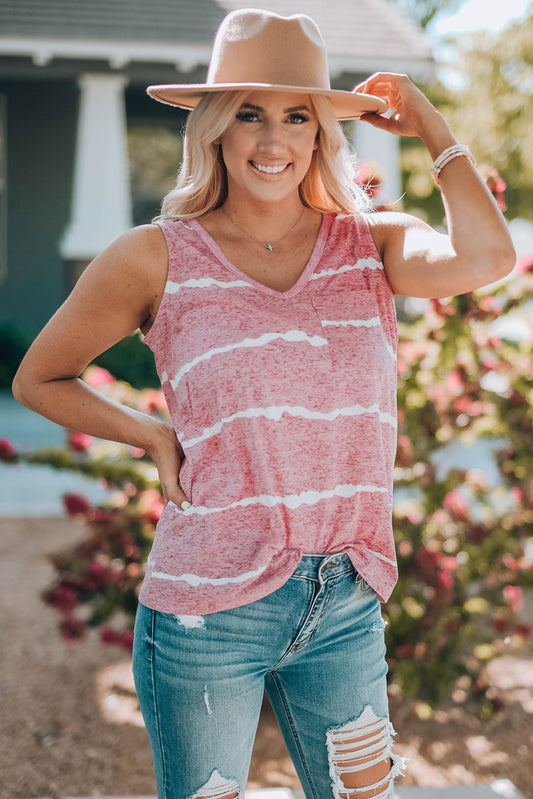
<point x="464" y="535"/>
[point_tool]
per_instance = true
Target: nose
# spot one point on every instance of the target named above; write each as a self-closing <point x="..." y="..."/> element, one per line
<point x="271" y="137"/>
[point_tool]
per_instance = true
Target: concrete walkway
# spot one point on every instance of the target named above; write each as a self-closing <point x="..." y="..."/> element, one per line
<point x="500" y="789"/>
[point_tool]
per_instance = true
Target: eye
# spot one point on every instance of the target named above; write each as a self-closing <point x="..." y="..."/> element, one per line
<point x="247" y="116"/>
<point x="298" y="117"/>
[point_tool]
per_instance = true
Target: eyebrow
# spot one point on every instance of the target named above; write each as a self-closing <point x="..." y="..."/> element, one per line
<point x="290" y="110"/>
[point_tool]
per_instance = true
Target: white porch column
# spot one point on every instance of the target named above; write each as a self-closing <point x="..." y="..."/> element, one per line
<point x="101" y="205"/>
<point x="383" y="148"/>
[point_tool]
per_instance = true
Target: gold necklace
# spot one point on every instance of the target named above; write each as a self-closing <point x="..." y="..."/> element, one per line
<point x="268" y="247"/>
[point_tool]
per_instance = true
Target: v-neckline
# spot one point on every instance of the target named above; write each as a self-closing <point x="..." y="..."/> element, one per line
<point x="308" y="270"/>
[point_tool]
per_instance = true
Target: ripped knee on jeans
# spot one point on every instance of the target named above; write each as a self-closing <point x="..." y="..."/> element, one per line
<point x="218" y="787"/>
<point x="362" y="764"/>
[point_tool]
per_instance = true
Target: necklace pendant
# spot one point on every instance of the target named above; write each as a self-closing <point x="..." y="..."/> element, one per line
<point x="269" y="247"/>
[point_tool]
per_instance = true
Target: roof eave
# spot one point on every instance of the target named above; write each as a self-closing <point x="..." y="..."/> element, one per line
<point x="118" y="53"/>
<point x="184" y="56"/>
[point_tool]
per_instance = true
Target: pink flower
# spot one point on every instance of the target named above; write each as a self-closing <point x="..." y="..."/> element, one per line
<point x="63" y="598"/>
<point x="95" y="376"/>
<point x="428" y="560"/>
<point x="443" y="310"/>
<point x="114" y="638"/>
<point x="151" y="505"/>
<point x="440" y="516"/>
<point x="455" y="503"/>
<point x="153" y="402"/>
<point x="495" y="184"/>
<point x="404" y="651"/>
<point x="368" y="176"/>
<point x="405" y="548"/>
<point x="76" y="504"/>
<point x="108" y="636"/>
<point x="445" y="581"/>
<point x="499" y="623"/>
<point x="454" y="381"/>
<point x="100" y="516"/>
<point x="79" y="442"/>
<point x="98" y="575"/>
<point x="7" y="451"/>
<point x="510" y="562"/>
<point x="126" y="639"/>
<point x="414" y="516"/>
<point x="525" y="264"/>
<point x="449" y="564"/>
<point x="513" y="596"/>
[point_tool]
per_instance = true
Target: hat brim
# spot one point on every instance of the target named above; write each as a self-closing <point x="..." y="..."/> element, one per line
<point x="346" y="105"/>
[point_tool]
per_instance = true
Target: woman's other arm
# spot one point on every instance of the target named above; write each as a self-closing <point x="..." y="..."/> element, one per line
<point x="119" y="292"/>
<point x="419" y="261"/>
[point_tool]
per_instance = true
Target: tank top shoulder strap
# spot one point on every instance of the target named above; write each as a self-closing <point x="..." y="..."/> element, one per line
<point x="178" y="235"/>
<point x="357" y="228"/>
<point x="365" y="233"/>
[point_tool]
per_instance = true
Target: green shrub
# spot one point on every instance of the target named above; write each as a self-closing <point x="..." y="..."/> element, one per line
<point x="13" y="345"/>
<point x="130" y="360"/>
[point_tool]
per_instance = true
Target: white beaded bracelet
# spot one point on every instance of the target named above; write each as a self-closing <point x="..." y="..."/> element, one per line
<point x="448" y="155"/>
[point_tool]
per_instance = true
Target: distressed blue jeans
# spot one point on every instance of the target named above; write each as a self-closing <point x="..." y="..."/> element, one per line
<point x="316" y="645"/>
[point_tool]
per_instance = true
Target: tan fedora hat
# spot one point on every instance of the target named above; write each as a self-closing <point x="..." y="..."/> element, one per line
<point x="260" y="50"/>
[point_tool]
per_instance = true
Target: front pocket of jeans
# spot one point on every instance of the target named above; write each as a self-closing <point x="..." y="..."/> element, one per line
<point x="361" y="582"/>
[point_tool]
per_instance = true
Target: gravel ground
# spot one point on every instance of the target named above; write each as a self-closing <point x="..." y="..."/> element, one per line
<point x="70" y="726"/>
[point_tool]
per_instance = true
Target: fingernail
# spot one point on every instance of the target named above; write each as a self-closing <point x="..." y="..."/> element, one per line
<point x="185" y="505"/>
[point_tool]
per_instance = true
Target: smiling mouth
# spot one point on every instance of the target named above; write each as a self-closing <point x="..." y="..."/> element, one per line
<point x="269" y="170"/>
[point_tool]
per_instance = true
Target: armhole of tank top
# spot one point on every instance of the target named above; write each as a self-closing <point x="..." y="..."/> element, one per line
<point x="365" y="233"/>
<point x="364" y="230"/>
<point x="161" y="311"/>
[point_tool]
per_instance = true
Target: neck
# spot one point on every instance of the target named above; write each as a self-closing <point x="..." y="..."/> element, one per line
<point x="267" y="219"/>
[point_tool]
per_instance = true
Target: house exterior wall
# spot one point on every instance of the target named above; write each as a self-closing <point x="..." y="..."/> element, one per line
<point x="41" y="131"/>
<point x="42" y="121"/>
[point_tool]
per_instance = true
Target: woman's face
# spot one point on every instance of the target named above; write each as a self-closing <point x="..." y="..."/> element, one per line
<point x="268" y="147"/>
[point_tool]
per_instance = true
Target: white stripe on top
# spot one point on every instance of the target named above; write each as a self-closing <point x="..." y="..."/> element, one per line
<point x="362" y="263"/>
<point x="373" y="322"/>
<point x="266" y="338"/>
<point x="195" y="579"/>
<point x="291" y="501"/>
<point x="276" y="412"/>
<point x="203" y="283"/>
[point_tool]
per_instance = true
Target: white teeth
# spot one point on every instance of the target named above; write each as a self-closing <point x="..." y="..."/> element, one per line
<point x="273" y="170"/>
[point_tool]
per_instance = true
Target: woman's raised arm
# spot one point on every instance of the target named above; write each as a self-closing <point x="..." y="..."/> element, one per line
<point x="419" y="261"/>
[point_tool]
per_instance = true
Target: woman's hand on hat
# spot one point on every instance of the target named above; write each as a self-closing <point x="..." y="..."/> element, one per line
<point x="412" y="113"/>
<point x="167" y="454"/>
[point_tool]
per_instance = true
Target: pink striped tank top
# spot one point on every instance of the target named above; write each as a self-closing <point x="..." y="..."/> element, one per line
<point x="285" y="406"/>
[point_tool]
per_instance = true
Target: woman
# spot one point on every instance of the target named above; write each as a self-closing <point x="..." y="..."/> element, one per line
<point x="268" y="300"/>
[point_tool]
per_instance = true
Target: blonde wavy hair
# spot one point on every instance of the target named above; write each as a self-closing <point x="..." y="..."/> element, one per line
<point x="202" y="185"/>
